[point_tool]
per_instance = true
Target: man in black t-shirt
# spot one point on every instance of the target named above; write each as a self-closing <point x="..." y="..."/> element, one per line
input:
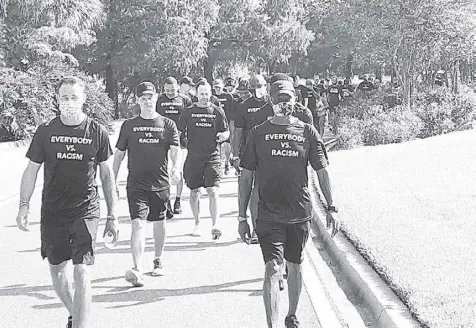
<point x="71" y="146"/>
<point x="279" y="151"/>
<point x="365" y="85"/>
<point x="334" y="97"/>
<point x="171" y="104"/>
<point x="206" y="127"/>
<point x="226" y="102"/>
<point x="301" y="92"/>
<point x="187" y="87"/>
<point x="148" y="139"/>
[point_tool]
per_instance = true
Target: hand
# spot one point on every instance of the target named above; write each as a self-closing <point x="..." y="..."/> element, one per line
<point x="174" y="176"/>
<point x="244" y="231"/>
<point x="332" y="220"/>
<point x="111" y="227"/>
<point x="221" y="137"/>
<point x="22" y="218"/>
<point x="236" y="163"/>
<point x="117" y="191"/>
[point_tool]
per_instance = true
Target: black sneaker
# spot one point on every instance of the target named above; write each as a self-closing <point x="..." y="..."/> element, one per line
<point x="177" y="207"/>
<point x="169" y="214"/>
<point x="291" y="321"/>
<point x="70" y="322"/>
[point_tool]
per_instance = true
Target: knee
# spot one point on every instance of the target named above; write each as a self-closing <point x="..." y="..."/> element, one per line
<point x="58" y="270"/>
<point x="212" y="191"/>
<point x="194" y="193"/>
<point x="138" y="224"/>
<point x="272" y="270"/>
<point x="159" y="224"/>
<point x="81" y="273"/>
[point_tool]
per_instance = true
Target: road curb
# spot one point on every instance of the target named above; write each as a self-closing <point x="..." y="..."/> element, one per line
<point x="372" y="294"/>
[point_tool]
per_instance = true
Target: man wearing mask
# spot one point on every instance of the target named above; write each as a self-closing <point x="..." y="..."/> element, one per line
<point x="279" y="151"/>
<point x="187" y="87"/>
<point x="226" y="102"/>
<point x="71" y="146"/>
<point x="206" y="127"/>
<point x="171" y="104"/>
<point x="230" y="87"/>
<point x="334" y="97"/>
<point x="147" y="139"/>
<point x="245" y="121"/>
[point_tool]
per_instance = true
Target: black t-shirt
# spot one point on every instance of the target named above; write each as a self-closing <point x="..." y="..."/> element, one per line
<point x="279" y="154"/>
<point x="71" y="155"/>
<point x="334" y="94"/>
<point x="312" y="101"/>
<point x="302" y="90"/>
<point x="246" y="115"/>
<point x="147" y="142"/>
<point x="202" y="125"/>
<point x="225" y="101"/>
<point x="321" y="89"/>
<point x="172" y="108"/>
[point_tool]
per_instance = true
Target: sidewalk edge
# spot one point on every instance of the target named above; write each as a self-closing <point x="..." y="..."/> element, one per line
<point x="387" y="310"/>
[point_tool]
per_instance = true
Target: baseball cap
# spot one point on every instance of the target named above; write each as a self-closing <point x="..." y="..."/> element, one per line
<point x="187" y="80"/>
<point x="218" y="83"/>
<point x="229" y="82"/>
<point x="281" y="87"/>
<point x="244" y="85"/>
<point x="257" y="81"/>
<point x="145" y="88"/>
<point x="170" y="80"/>
<point x="280" y="77"/>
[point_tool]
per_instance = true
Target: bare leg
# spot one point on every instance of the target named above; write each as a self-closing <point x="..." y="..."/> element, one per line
<point x="62" y="277"/>
<point x="82" y="296"/>
<point x="271" y="294"/>
<point x="138" y="242"/>
<point x="159" y="237"/>
<point x="254" y="205"/>
<point x="195" y="204"/>
<point x="214" y="200"/>
<point x="294" y="286"/>
<point x="180" y="186"/>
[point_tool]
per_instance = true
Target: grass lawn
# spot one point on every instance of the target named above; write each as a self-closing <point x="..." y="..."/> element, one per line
<point x="411" y="210"/>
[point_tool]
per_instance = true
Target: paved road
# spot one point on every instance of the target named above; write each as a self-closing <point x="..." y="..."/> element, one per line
<point x="208" y="283"/>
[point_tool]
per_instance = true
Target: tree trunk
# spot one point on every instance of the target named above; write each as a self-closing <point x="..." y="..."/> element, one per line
<point x="378" y="73"/>
<point x="111" y="89"/>
<point x="348" y="66"/>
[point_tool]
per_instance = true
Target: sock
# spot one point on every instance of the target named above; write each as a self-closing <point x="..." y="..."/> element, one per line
<point x="177" y="199"/>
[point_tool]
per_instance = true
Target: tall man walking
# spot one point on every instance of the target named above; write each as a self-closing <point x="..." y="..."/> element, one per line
<point x="147" y="139"/>
<point x="206" y="127"/>
<point x="278" y="151"/>
<point x="71" y="146"/>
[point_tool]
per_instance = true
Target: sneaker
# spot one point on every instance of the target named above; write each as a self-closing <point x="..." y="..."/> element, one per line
<point x="291" y="321"/>
<point x="216" y="233"/>
<point x="254" y="238"/>
<point x="227" y="170"/>
<point x="134" y="276"/>
<point x="169" y="214"/>
<point x="70" y="322"/>
<point x="177" y="207"/>
<point x="196" y="230"/>
<point x="158" y="270"/>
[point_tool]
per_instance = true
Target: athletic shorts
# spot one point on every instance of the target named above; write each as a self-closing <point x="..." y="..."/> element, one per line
<point x="280" y="241"/>
<point x="147" y="205"/>
<point x="62" y="240"/>
<point x="202" y="172"/>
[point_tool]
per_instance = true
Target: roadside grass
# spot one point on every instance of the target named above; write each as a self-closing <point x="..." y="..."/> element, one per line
<point x="410" y="209"/>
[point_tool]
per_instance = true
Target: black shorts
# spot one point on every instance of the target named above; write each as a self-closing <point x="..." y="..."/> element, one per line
<point x="202" y="172"/>
<point x="147" y="205"/>
<point x="280" y="241"/>
<point x="68" y="240"/>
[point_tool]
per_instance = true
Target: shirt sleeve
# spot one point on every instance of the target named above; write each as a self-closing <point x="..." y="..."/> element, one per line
<point x="183" y="119"/>
<point x="317" y="151"/>
<point x="173" y="135"/>
<point x="187" y="102"/>
<point x="222" y="123"/>
<point x="123" y="140"/>
<point x="239" y="117"/>
<point x="105" y="149"/>
<point x="36" y="152"/>
<point x="249" y="159"/>
<point x="307" y="117"/>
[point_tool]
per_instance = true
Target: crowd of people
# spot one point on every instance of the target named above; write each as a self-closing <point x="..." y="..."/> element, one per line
<point x="269" y="130"/>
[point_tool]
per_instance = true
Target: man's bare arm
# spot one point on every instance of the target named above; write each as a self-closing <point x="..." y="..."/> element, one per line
<point x="108" y="186"/>
<point x="28" y="182"/>
<point x="236" y="141"/>
<point x="118" y="158"/>
<point x="325" y="184"/>
<point x="175" y="156"/>
<point x="245" y="186"/>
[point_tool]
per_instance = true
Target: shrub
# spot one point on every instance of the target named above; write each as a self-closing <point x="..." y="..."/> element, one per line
<point x="30" y="96"/>
<point x="350" y="133"/>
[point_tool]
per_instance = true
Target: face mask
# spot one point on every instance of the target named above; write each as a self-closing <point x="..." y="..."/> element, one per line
<point x="283" y="109"/>
<point x="69" y="108"/>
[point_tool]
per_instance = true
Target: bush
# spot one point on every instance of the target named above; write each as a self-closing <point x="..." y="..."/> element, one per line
<point x="350" y="134"/>
<point x="30" y="96"/>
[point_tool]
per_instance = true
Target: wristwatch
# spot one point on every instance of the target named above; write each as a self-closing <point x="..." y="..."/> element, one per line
<point x="242" y="219"/>
<point x="235" y="158"/>
<point x="332" y="209"/>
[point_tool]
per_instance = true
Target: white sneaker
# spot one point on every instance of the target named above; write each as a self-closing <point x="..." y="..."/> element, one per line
<point x="196" y="230"/>
<point x="158" y="269"/>
<point x="134" y="276"/>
